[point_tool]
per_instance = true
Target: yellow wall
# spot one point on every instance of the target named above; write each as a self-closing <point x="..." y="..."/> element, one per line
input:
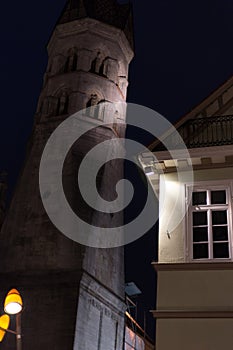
<point x="193" y="334"/>
<point x="172" y="223"/>
<point x="195" y="290"/>
<point x="206" y="290"/>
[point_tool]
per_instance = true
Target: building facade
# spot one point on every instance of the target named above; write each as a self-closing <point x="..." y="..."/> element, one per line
<point x="73" y="295"/>
<point x="195" y="265"/>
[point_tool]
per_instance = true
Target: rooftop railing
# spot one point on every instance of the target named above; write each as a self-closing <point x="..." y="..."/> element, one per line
<point x="201" y="132"/>
<point x="208" y="131"/>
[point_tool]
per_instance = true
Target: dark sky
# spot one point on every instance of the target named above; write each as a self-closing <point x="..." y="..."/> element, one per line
<point x="183" y="51"/>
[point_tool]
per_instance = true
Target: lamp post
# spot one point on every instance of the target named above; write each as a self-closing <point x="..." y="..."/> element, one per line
<point x="13" y="305"/>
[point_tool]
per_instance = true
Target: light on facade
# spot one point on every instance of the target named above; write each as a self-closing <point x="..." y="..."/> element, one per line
<point x="149" y="170"/>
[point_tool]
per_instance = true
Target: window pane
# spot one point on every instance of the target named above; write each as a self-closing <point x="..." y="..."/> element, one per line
<point x="199" y="218"/>
<point x="200" y="234"/>
<point x="220" y="233"/>
<point x="199" y="198"/>
<point x="218" y="197"/>
<point x="219" y="217"/>
<point x="221" y="250"/>
<point x="200" y="251"/>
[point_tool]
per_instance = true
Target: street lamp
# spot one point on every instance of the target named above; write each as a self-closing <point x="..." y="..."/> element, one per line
<point x="13" y="305"/>
<point x="4" y="324"/>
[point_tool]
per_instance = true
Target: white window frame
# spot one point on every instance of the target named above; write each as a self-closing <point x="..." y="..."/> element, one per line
<point x="208" y="186"/>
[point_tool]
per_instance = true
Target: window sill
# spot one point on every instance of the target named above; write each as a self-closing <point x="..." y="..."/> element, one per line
<point x="189" y="266"/>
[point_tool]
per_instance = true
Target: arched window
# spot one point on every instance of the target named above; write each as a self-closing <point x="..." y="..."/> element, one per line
<point x="71" y="62"/>
<point x="74" y="62"/>
<point x="101" y="71"/>
<point x="55" y="105"/>
<point x="93" y="66"/>
<point x="101" y="109"/>
<point x="62" y="104"/>
<point x="95" y="107"/>
<point x="91" y="106"/>
<point x="96" y="64"/>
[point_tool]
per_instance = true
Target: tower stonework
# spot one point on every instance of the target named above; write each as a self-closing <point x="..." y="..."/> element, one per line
<point x="73" y="295"/>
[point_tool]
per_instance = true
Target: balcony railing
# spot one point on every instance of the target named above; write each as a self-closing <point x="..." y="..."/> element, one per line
<point x="209" y="131"/>
<point x="202" y="132"/>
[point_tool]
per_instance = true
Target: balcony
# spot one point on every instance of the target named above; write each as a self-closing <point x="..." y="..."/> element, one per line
<point x="202" y="132"/>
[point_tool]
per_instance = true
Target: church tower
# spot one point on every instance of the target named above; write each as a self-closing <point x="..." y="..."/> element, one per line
<point x="73" y="295"/>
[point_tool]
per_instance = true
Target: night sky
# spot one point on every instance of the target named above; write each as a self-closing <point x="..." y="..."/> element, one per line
<point x="183" y="51"/>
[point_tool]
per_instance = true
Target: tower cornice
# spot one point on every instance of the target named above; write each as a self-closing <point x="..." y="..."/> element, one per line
<point x="92" y="26"/>
<point x="105" y="11"/>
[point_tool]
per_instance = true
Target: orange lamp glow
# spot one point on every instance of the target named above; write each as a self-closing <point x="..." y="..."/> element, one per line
<point x="4" y="324"/>
<point x="13" y="303"/>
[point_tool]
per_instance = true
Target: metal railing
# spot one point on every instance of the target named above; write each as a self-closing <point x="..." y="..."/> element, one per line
<point x="199" y="132"/>
<point x="208" y="131"/>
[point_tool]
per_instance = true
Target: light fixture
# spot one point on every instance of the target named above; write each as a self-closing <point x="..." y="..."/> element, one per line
<point x="4" y="324"/>
<point x="13" y="303"/>
<point x="149" y="170"/>
<point x="132" y="290"/>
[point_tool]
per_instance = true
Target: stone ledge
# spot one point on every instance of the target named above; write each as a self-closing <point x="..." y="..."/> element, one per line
<point x="197" y="266"/>
<point x="168" y="314"/>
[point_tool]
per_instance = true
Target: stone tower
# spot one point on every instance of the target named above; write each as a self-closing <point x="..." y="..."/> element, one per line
<point x="73" y="295"/>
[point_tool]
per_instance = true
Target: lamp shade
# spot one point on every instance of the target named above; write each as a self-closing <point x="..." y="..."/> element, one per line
<point x="13" y="303"/>
<point x="149" y="170"/>
<point x="4" y="324"/>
